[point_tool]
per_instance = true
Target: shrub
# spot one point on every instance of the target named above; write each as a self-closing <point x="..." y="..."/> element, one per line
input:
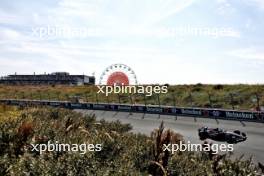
<point x="218" y="87"/>
<point x="123" y="153"/>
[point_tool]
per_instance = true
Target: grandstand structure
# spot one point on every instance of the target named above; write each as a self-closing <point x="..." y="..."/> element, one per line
<point x="56" y="78"/>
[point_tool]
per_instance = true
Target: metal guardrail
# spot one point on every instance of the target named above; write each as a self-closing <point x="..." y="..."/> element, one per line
<point x="254" y="116"/>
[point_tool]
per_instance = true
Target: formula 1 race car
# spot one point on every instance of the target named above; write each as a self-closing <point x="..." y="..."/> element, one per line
<point x="218" y="134"/>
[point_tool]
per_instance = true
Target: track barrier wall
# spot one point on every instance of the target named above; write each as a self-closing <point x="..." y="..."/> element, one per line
<point x="254" y="116"/>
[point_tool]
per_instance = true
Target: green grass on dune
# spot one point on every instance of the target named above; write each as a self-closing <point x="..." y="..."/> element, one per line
<point x="244" y="96"/>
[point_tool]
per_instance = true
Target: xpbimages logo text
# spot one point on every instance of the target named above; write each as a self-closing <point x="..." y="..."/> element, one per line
<point x="205" y="147"/>
<point x="132" y="89"/>
<point x="60" y="147"/>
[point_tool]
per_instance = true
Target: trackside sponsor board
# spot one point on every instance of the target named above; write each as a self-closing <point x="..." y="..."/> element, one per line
<point x="205" y="112"/>
<point x="44" y="102"/>
<point x="38" y="103"/>
<point x="191" y="112"/>
<point x="240" y="115"/>
<point x="55" y="104"/>
<point x="174" y="110"/>
<point x="140" y="108"/>
<point x="77" y="105"/>
<point x="124" y="108"/>
<point x="262" y="116"/>
<point x="19" y="103"/>
<point x="14" y="103"/>
<point x="113" y="107"/>
<point x="88" y="105"/>
<point x="216" y="113"/>
<point x="154" y="109"/>
<point x="100" y="106"/>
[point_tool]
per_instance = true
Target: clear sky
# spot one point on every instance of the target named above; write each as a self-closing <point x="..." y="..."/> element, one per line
<point x="164" y="41"/>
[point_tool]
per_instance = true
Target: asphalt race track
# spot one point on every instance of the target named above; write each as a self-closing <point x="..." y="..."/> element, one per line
<point x="187" y="126"/>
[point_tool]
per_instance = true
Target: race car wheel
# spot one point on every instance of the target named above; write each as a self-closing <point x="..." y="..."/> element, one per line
<point x="244" y="134"/>
<point x="202" y="136"/>
<point x="231" y="140"/>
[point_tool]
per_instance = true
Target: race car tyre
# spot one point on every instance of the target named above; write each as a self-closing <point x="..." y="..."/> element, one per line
<point x="202" y="136"/>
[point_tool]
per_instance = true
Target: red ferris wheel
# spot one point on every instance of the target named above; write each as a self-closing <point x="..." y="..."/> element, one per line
<point x="118" y="74"/>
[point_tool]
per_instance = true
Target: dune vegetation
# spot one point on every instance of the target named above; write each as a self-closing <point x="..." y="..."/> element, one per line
<point x="247" y="97"/>
<point x="122" y="153"/>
